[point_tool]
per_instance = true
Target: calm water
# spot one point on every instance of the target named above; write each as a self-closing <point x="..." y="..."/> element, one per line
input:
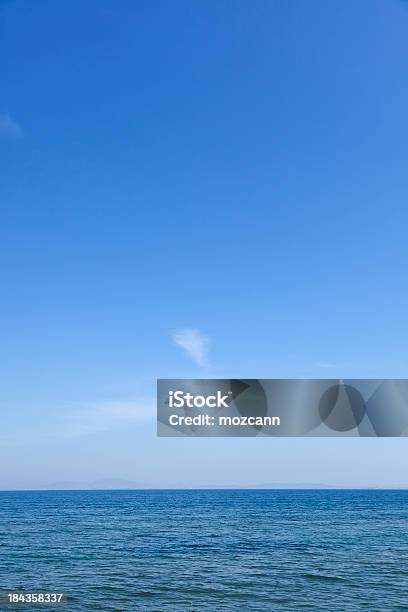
<point x="208" y="550"/>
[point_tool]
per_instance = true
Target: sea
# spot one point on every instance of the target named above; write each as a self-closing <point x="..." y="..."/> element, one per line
<point x="202" y="550"/>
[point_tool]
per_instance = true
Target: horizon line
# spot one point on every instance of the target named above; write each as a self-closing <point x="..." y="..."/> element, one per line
<point x="214" y="488"/>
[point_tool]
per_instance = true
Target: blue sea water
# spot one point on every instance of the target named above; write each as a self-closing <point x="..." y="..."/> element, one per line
<point x="200" y="550"/>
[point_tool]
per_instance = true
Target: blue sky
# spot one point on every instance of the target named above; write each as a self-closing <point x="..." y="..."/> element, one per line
<point x="235" y="168"/>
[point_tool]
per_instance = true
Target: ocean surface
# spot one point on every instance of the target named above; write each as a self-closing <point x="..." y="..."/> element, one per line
<point x="207" y="549"/>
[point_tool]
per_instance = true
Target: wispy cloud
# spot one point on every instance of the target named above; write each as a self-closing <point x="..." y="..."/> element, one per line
<point x="101" y="416"/>
<point x="80" y="419"/>
<point x="326" y="364"/>
<point x="329" y="365"/>
<point x="9" y="128"/>
<point x="194" y="343"/>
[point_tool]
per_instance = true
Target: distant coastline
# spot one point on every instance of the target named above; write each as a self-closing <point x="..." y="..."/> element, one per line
<point x="178" y="487"/>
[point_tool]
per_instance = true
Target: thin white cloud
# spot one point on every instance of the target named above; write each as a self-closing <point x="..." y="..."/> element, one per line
<point x="76" y="419"/>
<point x="104" y="415"/>
<point x="89" y="418"/>
<point x="8" y="127"/>
<point x="331" y="365"/>
<point x="194" y="343"/>
<point x="326" y="364"/>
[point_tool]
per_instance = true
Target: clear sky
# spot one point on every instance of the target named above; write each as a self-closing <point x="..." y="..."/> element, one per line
<point x="237" y="168"/>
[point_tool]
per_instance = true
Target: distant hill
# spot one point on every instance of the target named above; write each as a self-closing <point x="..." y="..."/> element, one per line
<point x="122" y="483"/>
